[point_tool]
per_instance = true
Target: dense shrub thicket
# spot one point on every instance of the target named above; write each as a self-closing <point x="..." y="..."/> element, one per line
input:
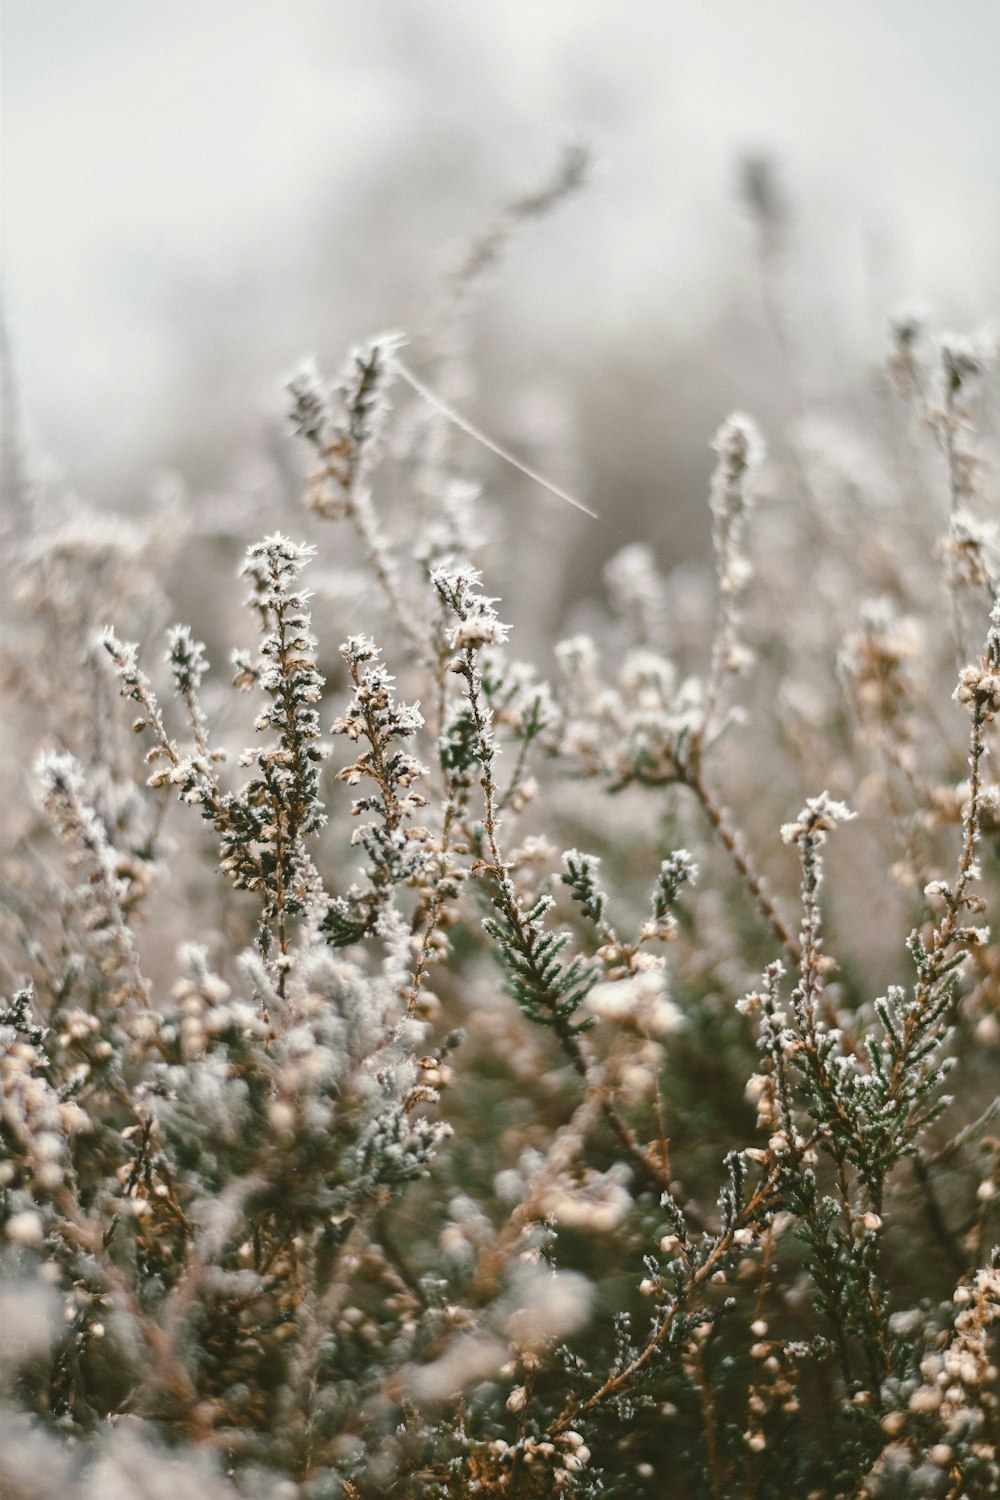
<point x="512" y="1078"/>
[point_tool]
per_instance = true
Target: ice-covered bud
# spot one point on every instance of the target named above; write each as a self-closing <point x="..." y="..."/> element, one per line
<point x="187" y="659"/>
<point x="636" y="590"/>
<point x="477" y="623"/>
<point x="547" y="1306"/>
<point x="599" y="1202"/>
<point x="962" y="361"/>
<point x="25" y="1228"/>
<point x="979" y="686"/>
<point x="640" y="1001"/>
<point x="577" y="657"/>
<point x="740" y="447"/>
<point x="817" y="818"/>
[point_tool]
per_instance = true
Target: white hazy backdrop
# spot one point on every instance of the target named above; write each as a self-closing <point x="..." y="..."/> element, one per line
<point x="197" y="193"/>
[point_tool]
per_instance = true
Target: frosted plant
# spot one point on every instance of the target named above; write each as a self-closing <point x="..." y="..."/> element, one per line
<point x="395" y="845"/>
<point x="426" y="1088"/>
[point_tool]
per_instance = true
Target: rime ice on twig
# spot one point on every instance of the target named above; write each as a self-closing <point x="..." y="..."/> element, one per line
<point x="396" y="847"/>
<point x="345" y="425"/>
<point x="263" y="826"/>
<point x="99" y="890"/>
<point x="740" y="448"/>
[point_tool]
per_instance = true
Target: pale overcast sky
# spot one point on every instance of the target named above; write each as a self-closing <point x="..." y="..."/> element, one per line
<point x="276" y="174"/>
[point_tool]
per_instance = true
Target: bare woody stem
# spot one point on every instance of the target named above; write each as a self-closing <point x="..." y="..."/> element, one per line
<point x="730" y="840"/>
<point x="359" y="507"/>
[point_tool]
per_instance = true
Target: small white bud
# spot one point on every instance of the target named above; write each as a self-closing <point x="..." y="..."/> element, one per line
<point x="25" y="1228"/>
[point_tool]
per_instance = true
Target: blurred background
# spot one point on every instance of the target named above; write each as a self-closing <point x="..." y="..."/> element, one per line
<point x="198" y="194"/>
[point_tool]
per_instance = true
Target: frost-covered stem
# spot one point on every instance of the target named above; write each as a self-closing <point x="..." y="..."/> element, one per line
<point x="506" y="895"/>
<point x="434" y="912"/>
<point x="791" y="1164"/>
<point x="656" y="1174"/>
<point x="345" y="430"/>
<point x="291" y="809"/>
<point x="935" y="962"/>
<point x="279" y="905"/>
<point x="79" y="828"/>
<point x="455" y="793"/>
<point x="488" y="246"/>
<point x="379" y="769"/>
<point x="165" y="1372"/>
<point x="970" y="835"/>
<point x="661" y="1128"/>
<point x="730" y="840"/>
<point x="508" y="903"/>
<point x="201" y="1249"/>
<point x="961" y="367"/>
<point x="899" y="764"/>
<point x="810" y="984"/>
<point x="763" y="195"/>
<point x="949" y="434"/>
<point x="979" y="691"/>
<point x="562" y="1153"/>
<point x="186" y="657"/>
<point x="843" y="1128"/>
<point x="316" y="1318"/>
<point x="950" y="427"/>
<point x="362" y="513"/>
<point x="517" y="773"/>
<point x="287" y="809"/>
<point x="135" y="686"/>
<point x="809" y="993"/>
<point x="809" y="834"/>
<point x="487" y="756"/>
<point x="397" y="853"/>
<point x="618" y="1383"/>
<point x="739" y="448"/>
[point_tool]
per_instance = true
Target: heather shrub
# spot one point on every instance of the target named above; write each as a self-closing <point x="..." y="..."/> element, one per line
<point x="440" y="1065"/>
